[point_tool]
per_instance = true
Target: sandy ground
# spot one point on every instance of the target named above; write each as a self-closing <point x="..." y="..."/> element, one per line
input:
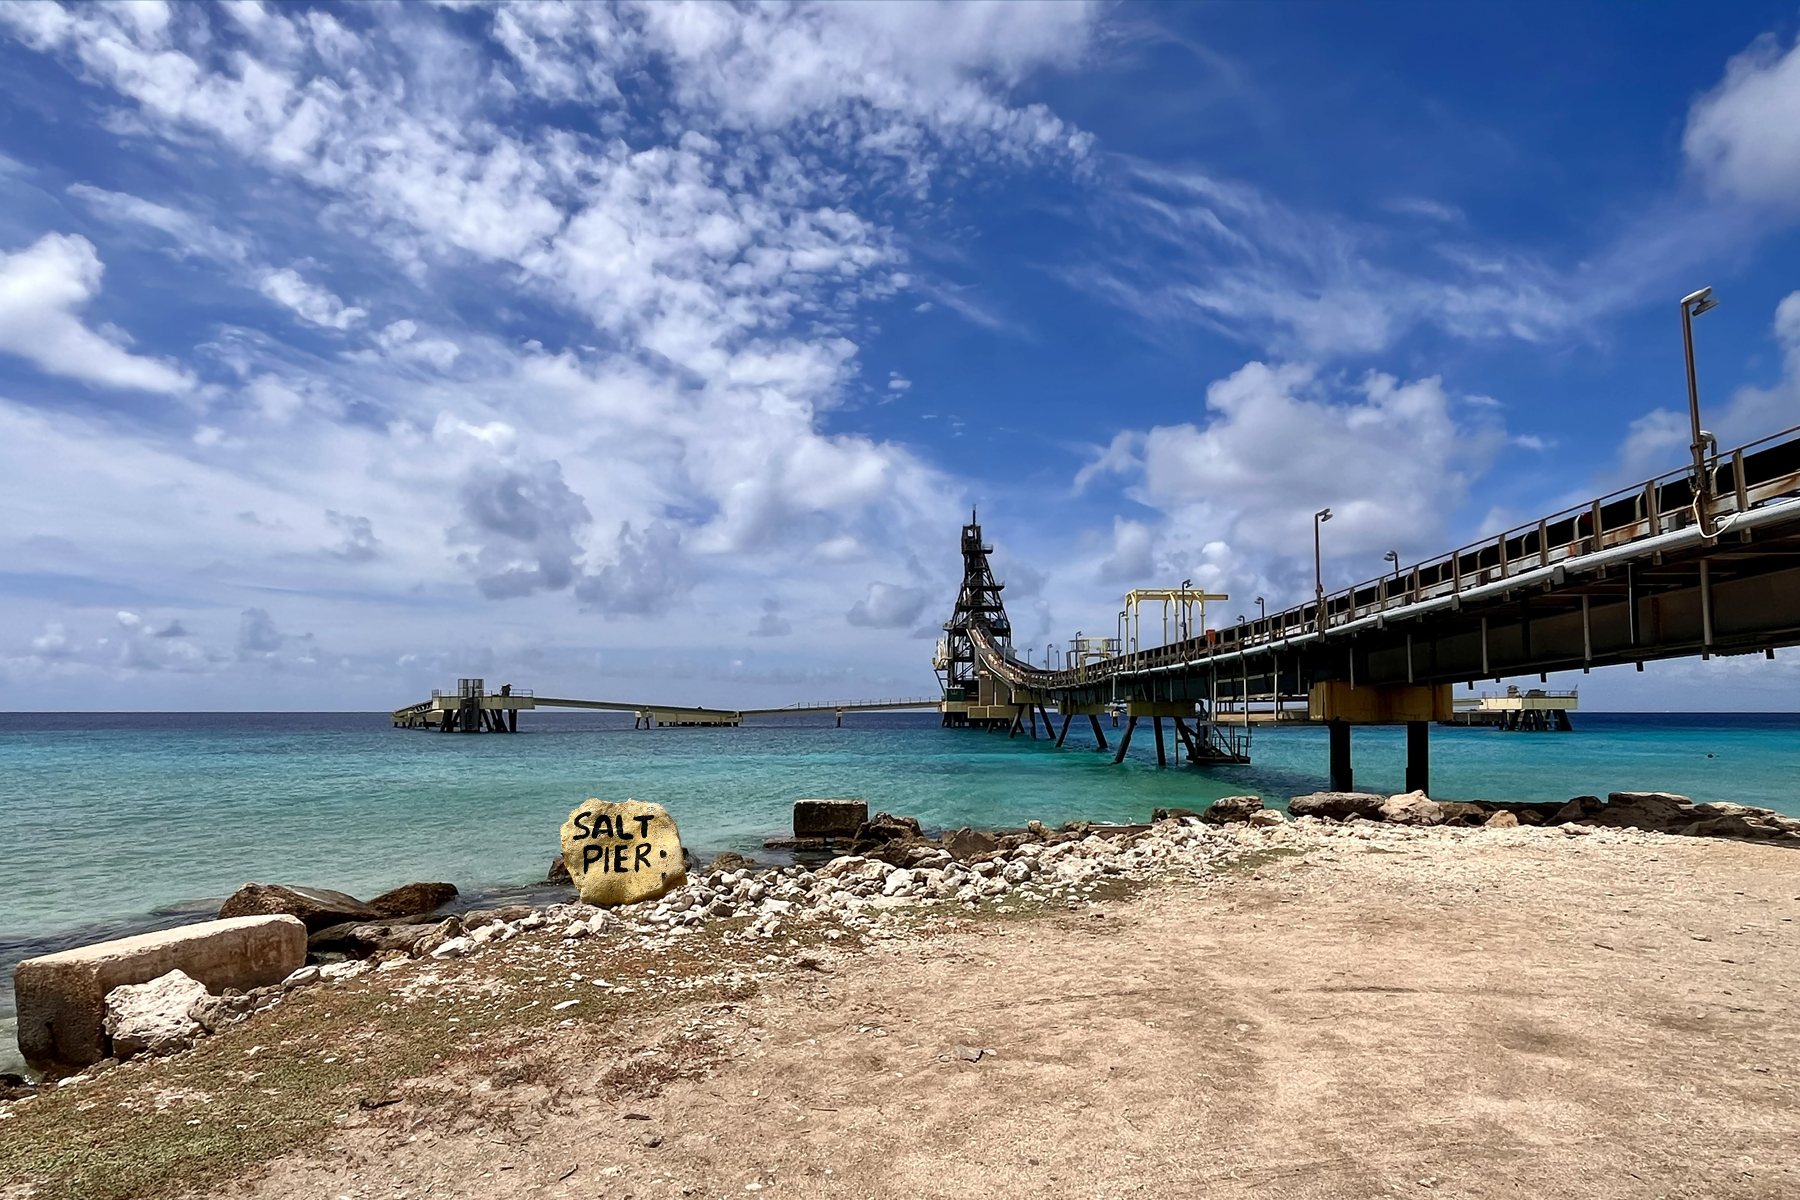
<point x="1464" y="1014"/>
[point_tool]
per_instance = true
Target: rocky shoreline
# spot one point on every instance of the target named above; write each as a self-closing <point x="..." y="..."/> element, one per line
<point x="890" y="865"/>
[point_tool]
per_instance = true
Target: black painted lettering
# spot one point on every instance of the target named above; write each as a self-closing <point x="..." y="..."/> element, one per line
<point x="602" y="822"/>
<point x="589" y="853"/>
<point x="581" y="829"/>
<point x="642" y="858"/>
<point x="618" y="859"/>
<point x="643" y="825"/>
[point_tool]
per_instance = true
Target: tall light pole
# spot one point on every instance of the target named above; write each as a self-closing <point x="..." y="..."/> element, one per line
<point x="1691" y="307"/>
<point x="1319" y="518"/>
<point x="1262" y="609"/>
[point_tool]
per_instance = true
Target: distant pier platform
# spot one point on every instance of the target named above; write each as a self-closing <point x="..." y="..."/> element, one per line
<point x="1532" y="710"/>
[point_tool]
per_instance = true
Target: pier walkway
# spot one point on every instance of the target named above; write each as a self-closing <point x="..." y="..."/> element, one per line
<point x="473" y="709"/>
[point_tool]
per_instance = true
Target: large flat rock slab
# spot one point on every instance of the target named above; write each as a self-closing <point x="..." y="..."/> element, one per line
<point x="62" y="997"/>
<point x="317" y="907"/>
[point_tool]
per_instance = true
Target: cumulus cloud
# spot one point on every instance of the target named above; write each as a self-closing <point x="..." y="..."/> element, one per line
<point x="647" y="575"/>
<point x="771" y="623"/>
<point x="311" y="303"/>
<point x="257" y="636"/>
<point x="1392" y="460"/>
<point x="1132" y="556"/>
<point x="359" y="543"/>
<point x="54" y="642"/>
<point x="888" y="606"/>
<point x="523" y="523"/>
<point x="42" y="289"/>
<point x="1743" y="137"/>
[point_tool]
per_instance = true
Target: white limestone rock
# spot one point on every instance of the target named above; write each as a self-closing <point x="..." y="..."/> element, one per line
<point x="153" y="1018"/>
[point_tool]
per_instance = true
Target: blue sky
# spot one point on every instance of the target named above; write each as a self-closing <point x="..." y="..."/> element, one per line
<point x="657" y="352"/>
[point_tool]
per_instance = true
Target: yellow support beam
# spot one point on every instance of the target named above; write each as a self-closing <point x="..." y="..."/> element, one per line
<point x="1388" y="704"/>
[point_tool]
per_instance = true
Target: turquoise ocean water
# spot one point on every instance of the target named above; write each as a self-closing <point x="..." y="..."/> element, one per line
<point x="115" y="823"/>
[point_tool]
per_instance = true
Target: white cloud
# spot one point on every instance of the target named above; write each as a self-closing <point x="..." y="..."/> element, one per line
<point x="1757" y="412"/>
<point x="1235" y="495"/>
<point x="1189" y="249"/>
<point x="53" y="642"/>
<point x="704" y="277"/>
<point x="311" y="303"/>
<point x="42" y="288"/>
<point x="1133" y="553"/>
<point x="772" y="623"/>
<point x="888" y="606"/>
<point x="1661" y="439"/>
<point x="1743" y="137"/>
<point x="193" y="235"/>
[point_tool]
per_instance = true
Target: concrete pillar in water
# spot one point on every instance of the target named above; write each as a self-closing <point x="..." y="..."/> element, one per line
<point x="1418" y="756"/>
<point x="1340" y="756"/>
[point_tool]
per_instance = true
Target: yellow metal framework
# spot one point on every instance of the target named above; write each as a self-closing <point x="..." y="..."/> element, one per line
<point x="1185" y="607"/>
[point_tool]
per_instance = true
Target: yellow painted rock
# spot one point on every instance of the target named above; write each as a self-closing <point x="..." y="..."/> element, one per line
<point x="622" y="852"/>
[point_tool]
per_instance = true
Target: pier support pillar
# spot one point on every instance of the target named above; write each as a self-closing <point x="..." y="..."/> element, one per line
<point x="1125" y="742"/>
<point x="1418" y="756"/>
<point x="1099" y="736"/>
<point x="1340" y="756"/>
<point x="1067" y="717"/>
<point x="1162" y="759"/>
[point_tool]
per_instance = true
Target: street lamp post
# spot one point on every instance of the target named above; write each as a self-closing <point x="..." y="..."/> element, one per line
<point x="1692" y="306"/>
<point x="1319" y="518"/>
<point x="1392" y="556"/>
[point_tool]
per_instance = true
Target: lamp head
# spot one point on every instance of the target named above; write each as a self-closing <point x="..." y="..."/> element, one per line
<point x="1392" y="556"/>
<point x="1324" y="514"/>
<point x="1701" y="301"/>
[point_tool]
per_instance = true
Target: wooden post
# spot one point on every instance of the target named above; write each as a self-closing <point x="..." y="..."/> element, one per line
<point x="1125" y="742"/>
<point x="1067" y="717"/>
<point x="1161" y="758"/>
<point x="1418" y="756"/>
<point x="1099" y="737"/>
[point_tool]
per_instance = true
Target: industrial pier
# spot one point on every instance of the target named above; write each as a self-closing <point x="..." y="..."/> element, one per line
<point x="1695" y="563"/>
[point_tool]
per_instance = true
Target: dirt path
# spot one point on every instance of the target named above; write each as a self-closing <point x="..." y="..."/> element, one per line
<point x="1467" y="1014"/>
